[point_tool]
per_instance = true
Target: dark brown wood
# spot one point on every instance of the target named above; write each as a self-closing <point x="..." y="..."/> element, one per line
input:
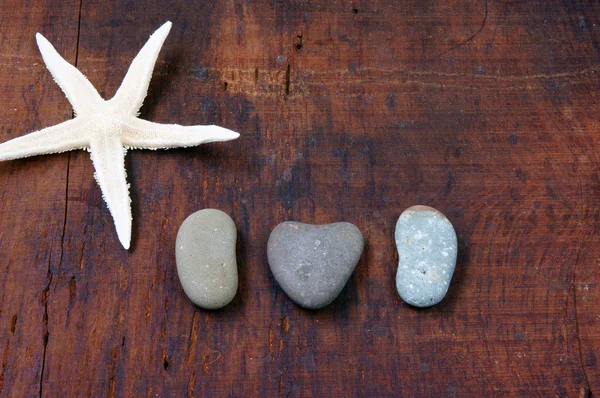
<point x="350" y="111"/>
<point x="32" y="191"/>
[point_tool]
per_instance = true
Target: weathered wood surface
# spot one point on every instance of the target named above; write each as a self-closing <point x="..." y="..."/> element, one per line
<point x="348" y="111"/>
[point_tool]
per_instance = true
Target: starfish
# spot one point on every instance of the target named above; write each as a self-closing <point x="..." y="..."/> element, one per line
<point x="108" y="128"/>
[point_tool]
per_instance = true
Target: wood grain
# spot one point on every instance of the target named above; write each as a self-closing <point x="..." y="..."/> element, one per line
<point x="349" y="111"/>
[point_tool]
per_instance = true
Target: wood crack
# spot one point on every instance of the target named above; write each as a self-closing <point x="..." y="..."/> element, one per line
<point x="452" y="48"/>
<point x="50" y="274"/>
<point x="45" y="334"/>
<point x="287" y="81"/>
<point x="588" y="389"/>
<point x="78" y="32"/>
<point x="468" y="39"/>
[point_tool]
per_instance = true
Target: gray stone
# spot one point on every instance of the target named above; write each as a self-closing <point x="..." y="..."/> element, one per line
<point x="205" y="255"/>
<point x="427" y="249"/>
<point x="312" y="263"/>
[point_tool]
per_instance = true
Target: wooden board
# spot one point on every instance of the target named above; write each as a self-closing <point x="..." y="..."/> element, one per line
<point x="348" y="111"/>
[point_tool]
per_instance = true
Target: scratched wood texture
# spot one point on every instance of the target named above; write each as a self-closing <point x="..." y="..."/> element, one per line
<point x="348" y="110"/>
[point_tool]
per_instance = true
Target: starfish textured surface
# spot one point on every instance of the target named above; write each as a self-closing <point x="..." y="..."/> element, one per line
<point x="108" y="128"/>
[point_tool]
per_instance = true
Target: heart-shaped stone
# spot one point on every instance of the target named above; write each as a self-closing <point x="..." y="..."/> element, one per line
<point x="312" y="263"/>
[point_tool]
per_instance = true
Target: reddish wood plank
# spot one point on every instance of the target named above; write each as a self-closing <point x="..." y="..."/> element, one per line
<point x="32" y="191"/>
<point x="348" y="111"/>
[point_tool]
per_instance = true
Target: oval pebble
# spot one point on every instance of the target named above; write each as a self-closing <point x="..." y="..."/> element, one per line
<point x="205" y="256"/>
<point x="312" y="263"/>
<point x="427" y="250"/>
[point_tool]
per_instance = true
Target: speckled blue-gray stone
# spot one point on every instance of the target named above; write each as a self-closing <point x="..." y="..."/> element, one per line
<point x="427" y="249"/>
<point x="312" y="263"/>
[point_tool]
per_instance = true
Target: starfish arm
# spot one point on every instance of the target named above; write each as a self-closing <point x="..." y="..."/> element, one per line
<point x="108" y="157"/>
<point x="63" y="137"/>
<point x="79" y="91"/>
<point x="130" y="95"/>
<point x="142" y="134"/>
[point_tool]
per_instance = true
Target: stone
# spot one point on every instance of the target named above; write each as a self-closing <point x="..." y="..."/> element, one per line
<point x="205" y="256"/>
<point x="312" y="263"/>
<point x="427" y="250"/>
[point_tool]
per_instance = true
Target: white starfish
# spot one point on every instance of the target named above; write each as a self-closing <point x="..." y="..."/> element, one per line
<point x="108" y="128"/>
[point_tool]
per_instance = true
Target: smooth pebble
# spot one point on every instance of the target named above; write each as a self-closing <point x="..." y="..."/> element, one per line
<point x="312" y="263"/>
<point x="205" y="256"/>
<point x="427" y="250"/>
